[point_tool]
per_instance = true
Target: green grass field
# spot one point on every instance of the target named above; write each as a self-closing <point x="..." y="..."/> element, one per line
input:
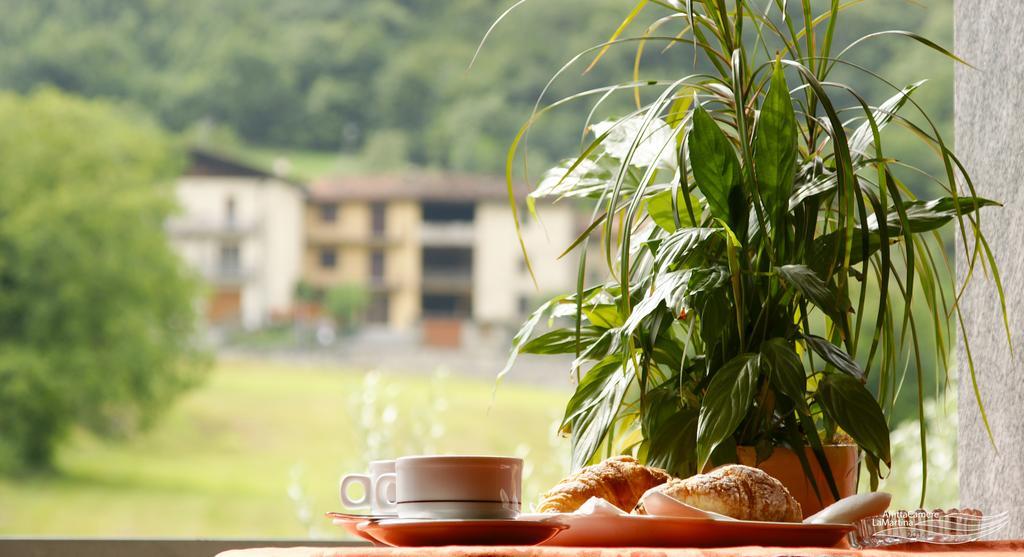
<point x="257" y="451"/>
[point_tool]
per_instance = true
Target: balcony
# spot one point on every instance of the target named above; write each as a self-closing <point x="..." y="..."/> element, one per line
<point x="325" y="236"/>
<point x="383" y="284"/>
<point x="447" y="234"/>
<point x="447" y="280"/>
<point x="194" y="228"/>
<point x="227" y="275"/>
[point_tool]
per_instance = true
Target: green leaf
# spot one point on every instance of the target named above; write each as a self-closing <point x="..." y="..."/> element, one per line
<point x="618" y="31"/>
<point x="561" y="341"/>
<point x="596" y="350"/>
<point x="605" y="316"/>
<point x="664" y="291"/>
<point x="810" y="286"/>
<point x="716" y="169"/>
<point x="670" y="430"/>
<point x="676" y="116"/>
<point x="669" y="351"/>
<point x="659" y="206"/>
<point x="812" y="189"/>
<point x="796" y="440"/>
<point x="708" y="293"/>
<point x="775" y="151"/>
<point x="573" y="178"/>
<point x="862" y="138"/>
<point x="724" y="453"/>
<point x="923" y="216"/>
<point x="592" y="408"/>
<point x="638" y="141"/>
<point x="687" y="246"/>
<point x="787" y="370"/>
<point x="715" y="315"/>
<point x="923" y="40"/>
<point x="834" y="355"/>
<point x="672" y="441"/>
<point x="698" y="289"/>
<point x="725" y="404"/>
<point x="852" y="406"/>
<point x="811" y="435"/>
<point x="824" y="251"/>
<point x="523" y="335"/>
<point x="704" y="281"/>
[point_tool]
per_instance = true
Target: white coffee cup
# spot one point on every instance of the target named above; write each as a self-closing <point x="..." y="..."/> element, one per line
<point x="377" y="500"/>
<point x="447" y="487"/>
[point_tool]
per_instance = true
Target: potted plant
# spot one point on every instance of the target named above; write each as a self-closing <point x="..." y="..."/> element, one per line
<point x="764" y="251"/>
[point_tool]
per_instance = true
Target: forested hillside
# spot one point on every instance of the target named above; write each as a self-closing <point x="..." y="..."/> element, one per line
<point x="382" y="76"/>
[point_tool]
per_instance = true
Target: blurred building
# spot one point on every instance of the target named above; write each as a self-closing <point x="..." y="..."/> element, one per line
<point x="436" y="254"/>
<point x="241" y="228"/>
<point x="434" y="249"/>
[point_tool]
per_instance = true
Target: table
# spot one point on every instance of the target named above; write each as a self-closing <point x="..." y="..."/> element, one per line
<point x="977" y="549"/>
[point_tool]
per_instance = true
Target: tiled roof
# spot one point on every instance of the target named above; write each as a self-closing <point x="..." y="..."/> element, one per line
<point x="427" y="186"/>
<point x="207" y="162"/>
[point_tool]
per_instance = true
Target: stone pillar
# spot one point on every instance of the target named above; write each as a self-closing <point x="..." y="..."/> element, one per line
<point x="989" y="34"/>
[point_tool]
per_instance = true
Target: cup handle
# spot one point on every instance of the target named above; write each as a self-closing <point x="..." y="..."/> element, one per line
<point x="350" y="479"/>
<point x="380" y="493"/>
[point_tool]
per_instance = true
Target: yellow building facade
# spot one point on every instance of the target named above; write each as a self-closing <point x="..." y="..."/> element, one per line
<point x="372" y="244"/>
<point x="432" y="248"/>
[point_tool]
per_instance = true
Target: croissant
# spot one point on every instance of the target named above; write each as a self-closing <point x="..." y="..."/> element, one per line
<point x="620" y="480"/>
<point x="741" y="492"/>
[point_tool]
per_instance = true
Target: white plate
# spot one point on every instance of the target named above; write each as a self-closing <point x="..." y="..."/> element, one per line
<point x="662" y="531"/>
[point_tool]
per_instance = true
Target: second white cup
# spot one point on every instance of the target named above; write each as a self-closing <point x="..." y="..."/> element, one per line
<point x="380" y="501"/>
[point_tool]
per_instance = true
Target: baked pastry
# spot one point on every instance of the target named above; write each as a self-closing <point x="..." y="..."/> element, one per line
<point x="620" y="480"/>
<point x="737" y="491"/>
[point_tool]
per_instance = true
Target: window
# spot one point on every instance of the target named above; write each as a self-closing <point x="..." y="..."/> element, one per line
<point x="447" y="270"/>
<point x="448" y="212"/>
<point x="446" y="305"/>
<point x="448" y="261"/>
<point x="377" y="311"/>
<point x="378" y="218"/>
<point x="328" y="212"/>
<point x="524" y="305"/>
<point x="230" y="259"/>
<point x="328" y="258"/>
<point x="229" y="211"/>
<point x="377" y="266"/>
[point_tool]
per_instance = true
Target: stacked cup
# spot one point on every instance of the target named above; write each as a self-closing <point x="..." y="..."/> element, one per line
<point x="441" y="487"/>
<point x="380" y="504"/>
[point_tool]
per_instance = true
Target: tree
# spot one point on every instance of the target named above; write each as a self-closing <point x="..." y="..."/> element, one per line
<point x="347" y="303"/>
<point x="331" y="74"/>
<point x="96" y="312"/>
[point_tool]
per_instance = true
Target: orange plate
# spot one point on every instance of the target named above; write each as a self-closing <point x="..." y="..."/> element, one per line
<point x="664" y="531"/>
<point x="350" y="523"/>
<point x="413" y="533"/>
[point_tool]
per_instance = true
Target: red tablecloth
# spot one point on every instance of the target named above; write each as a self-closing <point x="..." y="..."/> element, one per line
<point x="979" y="549"/>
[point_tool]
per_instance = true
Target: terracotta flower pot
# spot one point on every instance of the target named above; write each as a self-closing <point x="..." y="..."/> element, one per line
<point x="784" y="465"/>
